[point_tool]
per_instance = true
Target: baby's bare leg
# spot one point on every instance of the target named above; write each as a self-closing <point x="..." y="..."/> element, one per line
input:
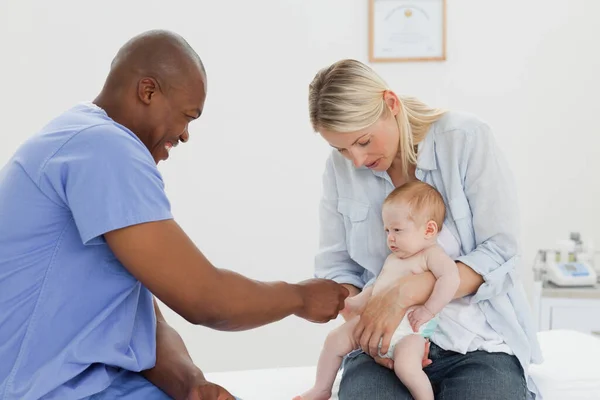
<point x="339" y="342"/>
<point x="408" y="356"/>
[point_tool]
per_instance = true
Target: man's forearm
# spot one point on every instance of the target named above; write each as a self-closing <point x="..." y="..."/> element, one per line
<point x="416" y="289"/>
<point x="162" y="257"/>
<point x="248" y="304"/>
<point x="174" y="372"/>
<point x="166" y="261"/>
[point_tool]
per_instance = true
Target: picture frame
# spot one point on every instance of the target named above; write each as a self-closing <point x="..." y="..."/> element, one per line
<point x="407" y="30"/>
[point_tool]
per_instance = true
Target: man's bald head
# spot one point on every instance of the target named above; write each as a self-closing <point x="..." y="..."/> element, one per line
<point x="156" y="86"/>
<point x="164" y="55"/>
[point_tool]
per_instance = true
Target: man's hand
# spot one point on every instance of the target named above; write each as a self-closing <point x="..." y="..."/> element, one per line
<point x="209" y="391"/>
<point x="418" y="316"/>
<point x="322" y="299"/>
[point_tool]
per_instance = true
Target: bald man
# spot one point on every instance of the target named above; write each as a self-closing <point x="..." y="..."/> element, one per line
<point x="88" y="240"/>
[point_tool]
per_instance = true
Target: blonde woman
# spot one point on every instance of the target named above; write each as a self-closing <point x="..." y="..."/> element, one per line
<point x="485" y="340"/>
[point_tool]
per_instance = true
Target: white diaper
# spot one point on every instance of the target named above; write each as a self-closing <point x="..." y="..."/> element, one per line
<point x="404" y="329"/>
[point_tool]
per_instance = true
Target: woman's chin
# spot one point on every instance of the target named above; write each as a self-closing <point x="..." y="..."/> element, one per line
<point x="382" y="165"/>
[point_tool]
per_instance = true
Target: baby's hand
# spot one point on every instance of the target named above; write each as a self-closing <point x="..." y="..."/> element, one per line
<point x="352" y="306"/>
<point x="418" y="317"/>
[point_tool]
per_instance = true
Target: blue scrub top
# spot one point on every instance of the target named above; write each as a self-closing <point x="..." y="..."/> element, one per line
<point x="74" y="323"/>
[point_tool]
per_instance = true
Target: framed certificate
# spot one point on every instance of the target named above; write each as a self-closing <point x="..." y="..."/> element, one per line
<point x="407" y="30"/>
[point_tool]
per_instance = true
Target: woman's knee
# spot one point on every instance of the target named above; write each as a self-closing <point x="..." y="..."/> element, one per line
<point x="493" y="376"/>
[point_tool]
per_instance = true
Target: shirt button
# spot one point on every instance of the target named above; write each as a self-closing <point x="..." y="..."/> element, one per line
<point x="419" y="173"/>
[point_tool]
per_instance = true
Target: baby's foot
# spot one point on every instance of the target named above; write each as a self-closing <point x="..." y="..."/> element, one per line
<point x="314" y="394"/>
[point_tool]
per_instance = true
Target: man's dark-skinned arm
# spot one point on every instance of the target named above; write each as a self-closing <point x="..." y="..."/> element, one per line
<point x="174" y="372"/>
<point x="166" y="261"/>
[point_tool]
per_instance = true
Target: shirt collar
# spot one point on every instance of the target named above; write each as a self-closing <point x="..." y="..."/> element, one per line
<point x="93" y="106"/>
<point x="426" y="159"/>
<point x="381" y="174"/>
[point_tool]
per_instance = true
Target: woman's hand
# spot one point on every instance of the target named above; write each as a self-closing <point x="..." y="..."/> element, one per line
<point x="426" y="361"/>
<point x="383" y="312"/>
<point x="379" y="320"/>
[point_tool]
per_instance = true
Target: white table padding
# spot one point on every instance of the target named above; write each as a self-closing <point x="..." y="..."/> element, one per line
<point x="571" y="367"/>
<point x="266" y="384"/>
<point x="571" y="371"/>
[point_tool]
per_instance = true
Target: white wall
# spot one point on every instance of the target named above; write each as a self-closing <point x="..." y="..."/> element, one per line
<point x="249" y="179"/>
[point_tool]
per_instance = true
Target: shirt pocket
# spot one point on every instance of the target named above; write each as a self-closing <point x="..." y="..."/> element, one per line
<point x="355" y="215"/>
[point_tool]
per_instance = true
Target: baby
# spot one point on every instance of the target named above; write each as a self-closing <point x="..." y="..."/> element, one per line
<point x="413" y="215"/>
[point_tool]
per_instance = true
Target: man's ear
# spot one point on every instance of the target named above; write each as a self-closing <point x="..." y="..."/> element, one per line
<point x="431" y="229"/>
<point x="147" y="88"/>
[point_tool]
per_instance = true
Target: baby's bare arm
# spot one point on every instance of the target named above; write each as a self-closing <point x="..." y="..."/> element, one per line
<point x="355" y="304"/>
<point x="447" y="279"/>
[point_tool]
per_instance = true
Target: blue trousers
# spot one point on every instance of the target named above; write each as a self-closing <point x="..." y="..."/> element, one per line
<point x="476" y="375"/>
<point x="132" y="386"/>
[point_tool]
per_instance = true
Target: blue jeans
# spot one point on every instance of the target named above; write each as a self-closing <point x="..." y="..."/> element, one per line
<point x="476" y="375"/>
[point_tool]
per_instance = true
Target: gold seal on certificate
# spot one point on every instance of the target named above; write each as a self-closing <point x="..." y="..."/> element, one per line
<point x="407" y="30"/>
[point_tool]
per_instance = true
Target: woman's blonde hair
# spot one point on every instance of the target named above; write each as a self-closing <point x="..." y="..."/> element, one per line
<point x="349" y="96"/>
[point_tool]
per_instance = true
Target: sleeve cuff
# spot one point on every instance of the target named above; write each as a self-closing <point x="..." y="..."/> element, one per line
<point x="497" y="278"/>
<point x="95" y="237"/>
<point x="370" y="282"/>
<point x="344" y="279"/>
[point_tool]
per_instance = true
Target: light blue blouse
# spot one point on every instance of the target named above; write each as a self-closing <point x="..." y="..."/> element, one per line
<point x="460" y="158"/>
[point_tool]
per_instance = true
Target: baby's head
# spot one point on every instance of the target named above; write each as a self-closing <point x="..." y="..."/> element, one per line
<point x="413" y="215"/>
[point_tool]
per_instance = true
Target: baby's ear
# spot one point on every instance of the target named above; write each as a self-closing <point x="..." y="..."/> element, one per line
<point x="431" y="229"/>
